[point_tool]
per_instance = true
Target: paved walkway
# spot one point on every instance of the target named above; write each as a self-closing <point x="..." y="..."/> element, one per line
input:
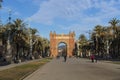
<point x="76" y="69"/>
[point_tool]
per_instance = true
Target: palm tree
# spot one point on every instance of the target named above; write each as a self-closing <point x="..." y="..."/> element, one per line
<point x="5" y="36"/>
<point x="114" y="22"/>
<point x="32" y="40"/>
<point x="18" y="36"/>
<point x="114" y="26"/>
<point x="38" y="47"/>
<point x="82" y="42"/>
<point x="98" y="33"/>
<point x="2" y="41"/>
<point x="118" y="41"/>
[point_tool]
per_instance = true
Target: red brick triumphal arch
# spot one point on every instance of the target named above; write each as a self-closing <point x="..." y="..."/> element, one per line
<point x="68" y="39"/>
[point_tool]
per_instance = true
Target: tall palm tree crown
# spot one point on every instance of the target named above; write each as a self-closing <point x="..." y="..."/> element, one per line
<point x="114" y="22"/>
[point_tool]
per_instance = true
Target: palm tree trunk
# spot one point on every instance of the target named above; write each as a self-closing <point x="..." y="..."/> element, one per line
<point x="17" y="51"/>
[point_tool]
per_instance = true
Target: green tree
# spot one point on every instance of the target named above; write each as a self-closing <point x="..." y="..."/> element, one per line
<point x="114" y="22"/>
<point x="82" y="43"/>
<point x="114" y="26"/>
<point x="18" y="36"/>
<point x="99" y="39"/>
<point x="45" y="46"/>
<point x="38" y="47"/>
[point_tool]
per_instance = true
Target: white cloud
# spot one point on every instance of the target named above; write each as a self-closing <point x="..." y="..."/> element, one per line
<point x="78" y="28"/>
<point x="75" y="10"/>
<point x="16" y="14"/>
<point x="8" y="9"/>
<point x="5" y="9"/>
<point x="51" y="9"/>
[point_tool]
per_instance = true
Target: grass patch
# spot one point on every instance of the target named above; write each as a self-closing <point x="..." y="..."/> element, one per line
<point x="20" y="72"/>
<point x="116" y="62"/>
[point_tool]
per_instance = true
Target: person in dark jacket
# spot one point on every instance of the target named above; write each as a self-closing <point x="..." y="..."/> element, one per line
<point x="65" y="56"/>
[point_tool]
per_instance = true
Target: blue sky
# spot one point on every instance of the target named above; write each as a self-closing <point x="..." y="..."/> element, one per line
<point x="62" y="16"/>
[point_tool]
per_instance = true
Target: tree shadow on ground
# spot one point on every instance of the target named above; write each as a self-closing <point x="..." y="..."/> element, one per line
<point x="118" y="68"/>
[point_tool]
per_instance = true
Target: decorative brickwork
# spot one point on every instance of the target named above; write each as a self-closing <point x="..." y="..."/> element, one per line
<point x="55" y="39"/>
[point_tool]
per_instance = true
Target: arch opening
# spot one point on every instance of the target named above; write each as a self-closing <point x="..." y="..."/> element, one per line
<point x="62" y="49"/>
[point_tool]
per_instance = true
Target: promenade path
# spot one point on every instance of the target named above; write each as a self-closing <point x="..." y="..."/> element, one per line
<point x="76" y="69"/>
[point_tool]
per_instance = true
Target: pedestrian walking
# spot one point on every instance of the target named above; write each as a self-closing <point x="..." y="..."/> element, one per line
<point x="92" y="57"/>
<point x="65" y="56"/>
